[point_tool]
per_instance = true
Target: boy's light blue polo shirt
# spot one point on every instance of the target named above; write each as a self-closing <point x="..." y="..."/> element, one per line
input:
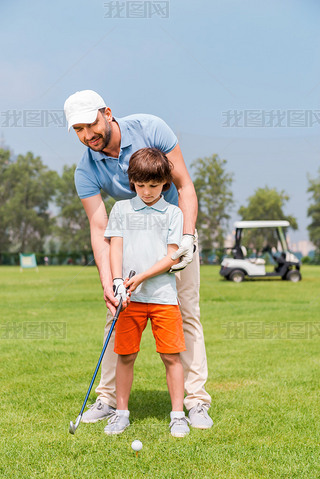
<point x="96" y="171"/>
<point x="146" y="232"/>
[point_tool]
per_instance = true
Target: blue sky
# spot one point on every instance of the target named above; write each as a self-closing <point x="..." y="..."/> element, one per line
<point x="205" y="59"/>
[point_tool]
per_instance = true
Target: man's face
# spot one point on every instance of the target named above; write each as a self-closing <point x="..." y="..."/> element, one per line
<point x="95" y="135"/>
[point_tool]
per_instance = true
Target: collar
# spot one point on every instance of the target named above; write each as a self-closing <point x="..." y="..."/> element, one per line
<point x="126" y="140"/>
<point x="160" y="205"/>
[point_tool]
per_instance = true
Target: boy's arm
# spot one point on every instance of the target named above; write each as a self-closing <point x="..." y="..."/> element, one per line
<point x="158" y="268"/>
<point x="116" y="249"/>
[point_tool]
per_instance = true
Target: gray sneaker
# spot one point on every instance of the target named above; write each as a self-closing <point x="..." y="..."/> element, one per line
<point x="97" y="412"/>
<point x="199" y="416"/>
<point x="117" y="424"/>
<point x="179" y="426"/>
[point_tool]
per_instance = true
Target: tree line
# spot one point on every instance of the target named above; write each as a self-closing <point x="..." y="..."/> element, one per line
<point x="40" y="210"/>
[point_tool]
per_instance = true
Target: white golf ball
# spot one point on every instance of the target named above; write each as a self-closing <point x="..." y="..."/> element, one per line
<point x="136" y="445"/>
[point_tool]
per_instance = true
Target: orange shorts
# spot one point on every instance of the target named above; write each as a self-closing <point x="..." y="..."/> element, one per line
<point x="166" y="322"/>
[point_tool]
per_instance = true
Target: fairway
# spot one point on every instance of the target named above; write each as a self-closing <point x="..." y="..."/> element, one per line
<point x="263" y="348"/>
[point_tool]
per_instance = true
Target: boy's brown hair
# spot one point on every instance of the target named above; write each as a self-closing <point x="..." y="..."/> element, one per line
<point x="149" y="164"/>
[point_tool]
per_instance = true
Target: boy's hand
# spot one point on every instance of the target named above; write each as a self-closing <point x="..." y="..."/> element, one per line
<point x="133" y="283"/>
<point x="119" y="291"/>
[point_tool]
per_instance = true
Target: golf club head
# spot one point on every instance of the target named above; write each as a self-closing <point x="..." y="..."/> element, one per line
<point x="73" y="427"/>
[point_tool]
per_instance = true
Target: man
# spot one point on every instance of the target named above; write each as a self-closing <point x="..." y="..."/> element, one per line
<point x="111" y="142"/>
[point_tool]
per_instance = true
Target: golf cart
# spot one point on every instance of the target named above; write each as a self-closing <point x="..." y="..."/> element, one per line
<point x="287" y="264"/>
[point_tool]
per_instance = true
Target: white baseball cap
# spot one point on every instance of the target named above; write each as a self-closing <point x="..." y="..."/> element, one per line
<point x="82" y="107"/>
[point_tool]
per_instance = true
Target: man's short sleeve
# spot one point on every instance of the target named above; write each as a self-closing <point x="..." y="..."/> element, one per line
<point x="163" y="137"/>
<point x="176" y="227"/>
<point x="115" y="225"/>
<point x="86" y="184"/>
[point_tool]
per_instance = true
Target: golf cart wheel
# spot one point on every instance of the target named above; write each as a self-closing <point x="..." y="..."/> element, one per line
<point x="236" y="276"/>
<point x="293" y="275"/>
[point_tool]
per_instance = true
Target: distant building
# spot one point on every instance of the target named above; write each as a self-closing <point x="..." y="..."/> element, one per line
<point x="304" y="247"/>
<point x="229" y="240"/>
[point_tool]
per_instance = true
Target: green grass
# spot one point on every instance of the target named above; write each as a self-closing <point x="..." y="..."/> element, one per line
<point x="263" y="357"/>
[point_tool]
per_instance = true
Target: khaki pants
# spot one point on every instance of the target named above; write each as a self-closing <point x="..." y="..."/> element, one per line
<point x="194" y="359"/>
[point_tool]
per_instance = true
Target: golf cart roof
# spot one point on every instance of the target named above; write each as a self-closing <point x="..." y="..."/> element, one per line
<point x="261" y="224"/>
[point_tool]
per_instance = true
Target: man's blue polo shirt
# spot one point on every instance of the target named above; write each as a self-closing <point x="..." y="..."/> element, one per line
<point x="96" y="171"/>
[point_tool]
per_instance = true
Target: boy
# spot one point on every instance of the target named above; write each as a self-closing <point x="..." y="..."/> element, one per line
<point x="144" y="232"/>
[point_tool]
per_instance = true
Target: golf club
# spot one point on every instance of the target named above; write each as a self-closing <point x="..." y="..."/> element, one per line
<point x="73" y="427"/>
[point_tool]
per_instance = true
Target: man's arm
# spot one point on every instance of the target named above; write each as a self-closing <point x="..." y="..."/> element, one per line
<point x="158" y="268"/>
<point x="98" y="219"/>
<point x="188" y="202"/>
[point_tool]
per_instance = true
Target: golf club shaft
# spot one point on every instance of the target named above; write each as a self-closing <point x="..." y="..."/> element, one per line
<point x="115" y="318"/>
<point x="102" y="354"/>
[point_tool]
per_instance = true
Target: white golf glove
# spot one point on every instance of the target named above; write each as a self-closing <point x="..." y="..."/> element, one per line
<point x="185" y="252"/>
<point x="119" y="290"/>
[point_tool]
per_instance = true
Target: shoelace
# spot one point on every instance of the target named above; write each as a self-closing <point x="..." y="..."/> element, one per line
<point x="98" y="405"/>
<point x="114" y="418"/>
<point x="180" y="421"/>
<point x="201" y="409"/>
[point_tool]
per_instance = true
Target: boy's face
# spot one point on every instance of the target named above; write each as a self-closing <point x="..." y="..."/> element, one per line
<point x="149" y="191"/>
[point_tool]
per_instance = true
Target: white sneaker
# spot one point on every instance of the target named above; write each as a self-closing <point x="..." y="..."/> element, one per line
<point x="199" y="416"/>
<point x="97" y="412"/>
<point x="179" y="426"/>
<point x="117" y="424"/>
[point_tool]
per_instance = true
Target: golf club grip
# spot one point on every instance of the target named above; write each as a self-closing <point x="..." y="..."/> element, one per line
<point x="132" y="273"/>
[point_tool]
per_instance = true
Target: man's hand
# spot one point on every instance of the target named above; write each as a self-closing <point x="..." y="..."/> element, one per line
<point x="185" y="252"/>
<point x="111" y="301"/>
